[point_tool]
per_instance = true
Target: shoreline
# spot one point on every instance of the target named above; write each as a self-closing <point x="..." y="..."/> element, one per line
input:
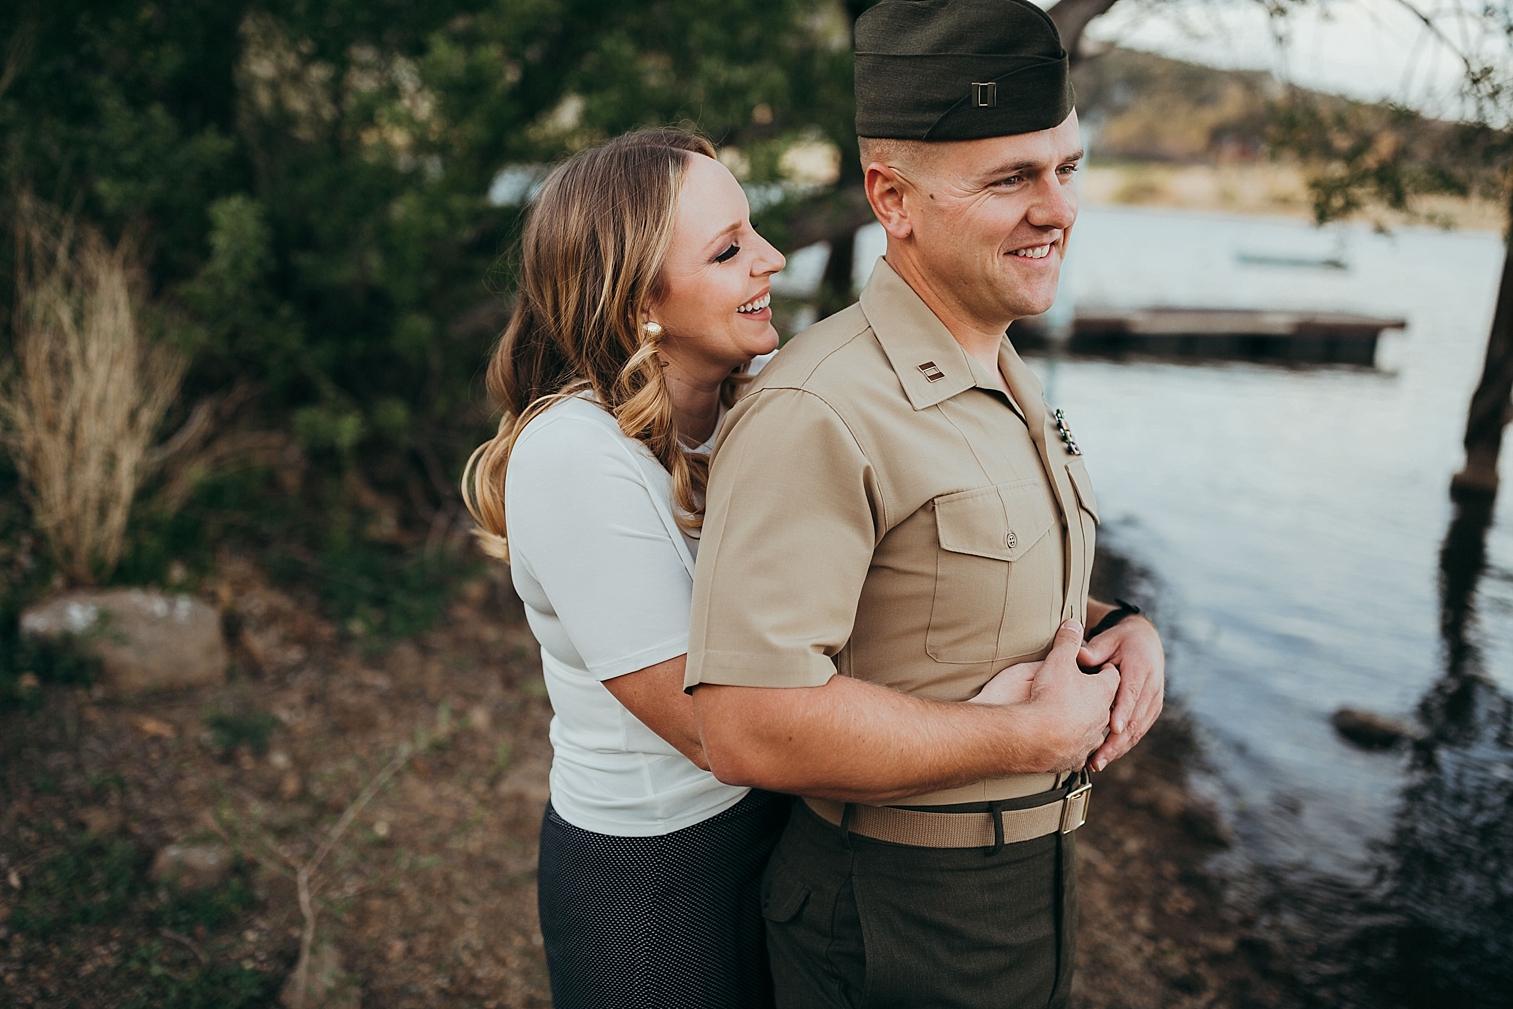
<point x="1156" y="930"/>
<point x="1264" y="188"/>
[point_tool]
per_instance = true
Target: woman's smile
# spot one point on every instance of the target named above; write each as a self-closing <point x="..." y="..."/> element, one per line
<point x="758" y="308"/>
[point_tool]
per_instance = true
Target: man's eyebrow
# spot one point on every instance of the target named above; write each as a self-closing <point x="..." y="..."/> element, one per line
<point x="1022" y="166"/>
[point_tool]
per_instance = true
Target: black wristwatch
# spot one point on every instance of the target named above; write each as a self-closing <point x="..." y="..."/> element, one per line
<point x="1118" y="613"/>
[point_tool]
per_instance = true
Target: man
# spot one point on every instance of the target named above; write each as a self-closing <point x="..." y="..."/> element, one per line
<point x="894" y="518"/>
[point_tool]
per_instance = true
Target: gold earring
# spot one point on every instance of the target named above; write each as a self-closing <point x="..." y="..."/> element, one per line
<point x="652" y="328"/>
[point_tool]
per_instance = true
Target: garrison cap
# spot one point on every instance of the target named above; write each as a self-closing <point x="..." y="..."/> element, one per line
<point x="959" y="70"/>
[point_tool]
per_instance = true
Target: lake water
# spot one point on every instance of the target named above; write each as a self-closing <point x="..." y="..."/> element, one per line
<point x="1296" y="528"/>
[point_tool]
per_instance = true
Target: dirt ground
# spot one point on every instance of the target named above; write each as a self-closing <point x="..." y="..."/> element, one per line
<point x="429" y="896"/>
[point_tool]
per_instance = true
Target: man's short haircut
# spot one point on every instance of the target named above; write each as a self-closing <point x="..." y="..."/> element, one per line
<point x="909" y="155"/>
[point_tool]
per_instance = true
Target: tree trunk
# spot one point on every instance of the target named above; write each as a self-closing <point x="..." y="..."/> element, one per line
<point x="835" y="283"/>
<point x="1492" y="401"/>
<point x="835" y="291"/>
<point x="1072" y="18"/>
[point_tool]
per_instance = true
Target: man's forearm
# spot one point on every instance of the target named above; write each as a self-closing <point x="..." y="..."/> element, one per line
<point x="855" y="741"/>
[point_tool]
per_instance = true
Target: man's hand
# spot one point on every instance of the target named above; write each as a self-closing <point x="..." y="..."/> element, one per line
<point x="1133" y="647"/>
<point x="1073" y="706"/>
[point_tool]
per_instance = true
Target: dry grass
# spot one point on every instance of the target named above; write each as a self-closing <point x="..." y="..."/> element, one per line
<point x="87" y="390"/>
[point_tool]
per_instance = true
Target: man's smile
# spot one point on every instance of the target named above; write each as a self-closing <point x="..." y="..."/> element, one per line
<point x="1033" y="252"/>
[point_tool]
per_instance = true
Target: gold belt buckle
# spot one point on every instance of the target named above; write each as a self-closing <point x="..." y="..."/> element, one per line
<point x="1074" y="808"/>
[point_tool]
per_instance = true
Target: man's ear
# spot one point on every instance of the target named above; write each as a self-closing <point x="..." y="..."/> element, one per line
<point x="886" y="190"/>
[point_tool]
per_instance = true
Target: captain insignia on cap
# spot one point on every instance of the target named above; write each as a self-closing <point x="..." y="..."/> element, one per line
<point x="959" y="70"/>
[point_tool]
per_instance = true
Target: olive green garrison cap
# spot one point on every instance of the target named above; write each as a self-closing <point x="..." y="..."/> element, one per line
<point x="959" y="70"/>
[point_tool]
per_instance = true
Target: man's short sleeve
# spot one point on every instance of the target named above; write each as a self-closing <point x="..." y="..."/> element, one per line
<point x="789" y="529"/>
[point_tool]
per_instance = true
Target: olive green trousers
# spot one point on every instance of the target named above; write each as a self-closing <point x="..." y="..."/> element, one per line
<point x="864" y="924"/>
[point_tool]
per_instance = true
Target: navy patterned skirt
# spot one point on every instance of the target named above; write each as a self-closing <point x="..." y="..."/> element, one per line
<point x="659" y="922"/>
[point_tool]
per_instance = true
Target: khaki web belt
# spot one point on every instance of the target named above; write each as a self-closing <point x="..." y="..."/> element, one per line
<point x="960" y="830"/>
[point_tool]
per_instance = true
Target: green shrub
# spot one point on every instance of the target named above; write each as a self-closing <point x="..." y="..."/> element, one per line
<point x="89" y="882"/>
<point x="374" y="590"/>
<point x="97" y="882"/>
<point x="242" y="728"/>
<point x="213" y="908"/>
<point x="311" y="184"/>
<point x="167" y="976"/>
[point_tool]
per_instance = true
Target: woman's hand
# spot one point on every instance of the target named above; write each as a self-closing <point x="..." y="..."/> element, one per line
<point x="655" y="696"/>
<point x="1008" y="686"/>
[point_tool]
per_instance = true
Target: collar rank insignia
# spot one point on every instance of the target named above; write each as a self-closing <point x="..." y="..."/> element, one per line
<point x="1066" y="434"/>
<point x="931" y="371"/>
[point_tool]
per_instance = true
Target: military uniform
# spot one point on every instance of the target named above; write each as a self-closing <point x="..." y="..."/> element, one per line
<point x="879" y="509"/>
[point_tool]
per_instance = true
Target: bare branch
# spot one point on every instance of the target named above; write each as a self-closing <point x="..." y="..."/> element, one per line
<point x="400" y="758"/>
<point x="1437" y="32"/>
<point x="306" y="872"/>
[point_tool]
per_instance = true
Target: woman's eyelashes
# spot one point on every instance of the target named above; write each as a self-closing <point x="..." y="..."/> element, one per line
<point x="728" y="254"/>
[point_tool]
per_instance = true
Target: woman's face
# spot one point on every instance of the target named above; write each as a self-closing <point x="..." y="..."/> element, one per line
<point x="717" y="278"/>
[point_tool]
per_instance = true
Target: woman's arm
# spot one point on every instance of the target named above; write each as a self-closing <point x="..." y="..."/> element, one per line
<point x="655" y="696"/>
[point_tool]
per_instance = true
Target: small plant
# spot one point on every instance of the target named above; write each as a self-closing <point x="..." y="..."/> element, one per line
<point x="46" y="783"/>
<point x="93" y="882"/>
<point x="247" y="728"/>
<point x="213" y="909"/>
<point x="373" y="590"/>
<point x="173" y="977"/>
<point x="27" y="664"/>
<point x="89" y="882"/>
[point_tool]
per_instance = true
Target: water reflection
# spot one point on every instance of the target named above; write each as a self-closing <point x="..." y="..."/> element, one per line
<point x="1435" y="928"/>
<point x="1448" y="865"/>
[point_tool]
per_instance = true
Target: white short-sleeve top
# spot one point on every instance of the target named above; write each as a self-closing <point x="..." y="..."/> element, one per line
<point x="607" y="579"/>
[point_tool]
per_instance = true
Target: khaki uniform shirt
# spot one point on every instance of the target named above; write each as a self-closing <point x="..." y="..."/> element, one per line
<point x="879" y="508"/>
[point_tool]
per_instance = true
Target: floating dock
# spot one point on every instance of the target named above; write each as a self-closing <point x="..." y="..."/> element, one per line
<point x="1216" y="334"/>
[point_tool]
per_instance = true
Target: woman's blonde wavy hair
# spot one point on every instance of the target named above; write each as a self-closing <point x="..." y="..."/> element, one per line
<point x="591" y="264"/>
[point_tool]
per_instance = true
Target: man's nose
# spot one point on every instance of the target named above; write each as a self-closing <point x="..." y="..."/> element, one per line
<point x="1055" y="204"/>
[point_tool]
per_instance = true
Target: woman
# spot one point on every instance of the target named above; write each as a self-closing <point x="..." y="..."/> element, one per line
<point x="644" y="293"/>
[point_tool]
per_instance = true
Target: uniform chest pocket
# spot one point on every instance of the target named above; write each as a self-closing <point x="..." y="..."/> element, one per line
<point x="998" y="578"/>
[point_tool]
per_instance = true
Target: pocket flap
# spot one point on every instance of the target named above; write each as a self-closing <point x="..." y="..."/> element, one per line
<point x="1084" y="484"/>
<point x="783" y="900"/>
<point x="996" y="522"/>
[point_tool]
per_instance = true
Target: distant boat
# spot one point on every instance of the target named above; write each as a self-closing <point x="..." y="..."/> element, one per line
<point x="1333" y="262"/>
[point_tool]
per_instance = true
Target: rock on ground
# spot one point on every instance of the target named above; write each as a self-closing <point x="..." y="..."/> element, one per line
<point x="144" y="640"/>
<point x="1371" y="731"/>
<point x="191" y="866"/>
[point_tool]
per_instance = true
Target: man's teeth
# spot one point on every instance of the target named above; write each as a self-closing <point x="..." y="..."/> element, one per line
<point x="756" y="305"/>
<point x="1038" y="252"/>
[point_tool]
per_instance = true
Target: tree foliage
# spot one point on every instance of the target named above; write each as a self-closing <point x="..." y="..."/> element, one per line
<point x="310" y="181"/>
<point x="1389" y="154"/>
